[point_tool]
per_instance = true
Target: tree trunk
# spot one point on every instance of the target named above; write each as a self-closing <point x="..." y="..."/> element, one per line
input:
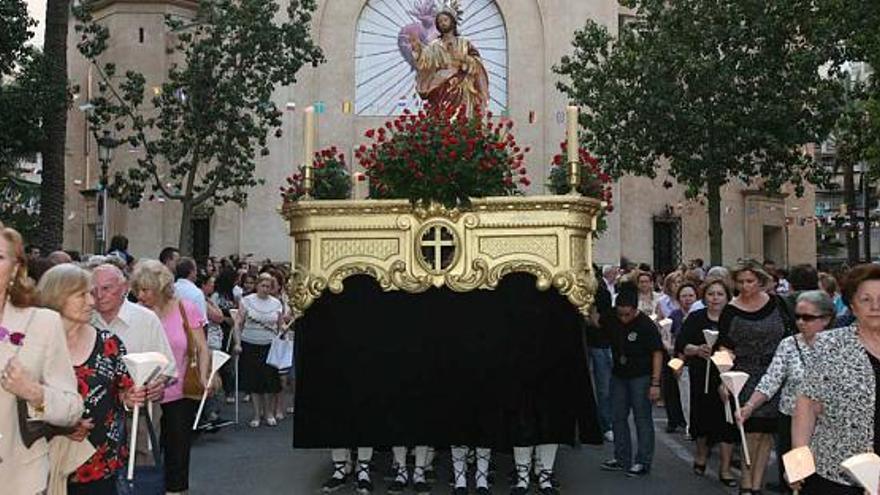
<point x="185" y="243"/>
<point x="715" y="231"/>
<point x="51" y="232"/>
<point x="866" y="231"/>
<point x="849" y="200"/>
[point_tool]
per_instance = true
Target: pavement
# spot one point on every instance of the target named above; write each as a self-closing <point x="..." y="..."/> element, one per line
<point x="242" y="460"/>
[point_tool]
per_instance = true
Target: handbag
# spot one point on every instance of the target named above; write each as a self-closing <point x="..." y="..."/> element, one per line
<point x="280" y="352"/>
<point x="192" y="382"/>
<point x="147" y="480"/>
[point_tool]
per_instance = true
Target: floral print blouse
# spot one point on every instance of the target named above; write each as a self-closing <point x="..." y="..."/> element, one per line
<point x="841" y="378"/>
<point x="101" y="380"/>
<point x="786" y="372"/>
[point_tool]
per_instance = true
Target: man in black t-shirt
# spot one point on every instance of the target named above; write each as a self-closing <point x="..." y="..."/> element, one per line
<point x="635" y="383"/>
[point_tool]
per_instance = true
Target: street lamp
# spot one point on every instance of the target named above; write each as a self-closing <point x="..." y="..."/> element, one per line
<point x="106" y="143"/>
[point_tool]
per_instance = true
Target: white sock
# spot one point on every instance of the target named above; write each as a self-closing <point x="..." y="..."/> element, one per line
<point x="340" y="456"/>
<point x="522" y="457"/>
<point x="547" y="456"/>
<point x="429" y="459"/>
<point x="365" y="454"/>
<point x="400" y="459"/>
<point x="482" y="474"/>
<point x="421" y="456"/>
<point x="459" y="466"/>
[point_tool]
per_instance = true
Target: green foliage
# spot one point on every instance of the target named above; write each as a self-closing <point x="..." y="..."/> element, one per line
<point x="212" y="117"/>
<point x="20" y="206"/>
<point x="331" y="178"/>
<point x="23" y="100"/>
<point x="718" y="89"/>
<point x="441" y="155"/>
<point x="15" y="31"/>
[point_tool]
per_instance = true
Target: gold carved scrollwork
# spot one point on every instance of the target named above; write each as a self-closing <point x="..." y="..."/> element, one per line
<point x="335" y="283"/>
<point x="304" y="289"/>
<point x="578" y="288"/>
<point x="402" y="279"/>
<point x="472" y="280"/>
<point x="543" y="275"/>
<point x="436" y="210"/>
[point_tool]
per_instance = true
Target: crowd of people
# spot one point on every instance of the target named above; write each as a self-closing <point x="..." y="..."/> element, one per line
<point x="65" y="391"/>
<point x="808" y="343"/>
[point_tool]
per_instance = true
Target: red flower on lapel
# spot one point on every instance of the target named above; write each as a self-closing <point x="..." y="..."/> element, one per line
<point x="16" y="338"/>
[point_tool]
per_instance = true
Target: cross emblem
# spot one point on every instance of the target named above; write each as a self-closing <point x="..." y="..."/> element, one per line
<point x="438" y="248"/>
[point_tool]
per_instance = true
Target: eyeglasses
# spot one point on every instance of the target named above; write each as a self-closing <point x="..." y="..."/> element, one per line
<point x="808" y="317"/>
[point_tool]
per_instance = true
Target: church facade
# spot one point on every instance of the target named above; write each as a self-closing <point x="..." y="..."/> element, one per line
<point x="365" y="80"/>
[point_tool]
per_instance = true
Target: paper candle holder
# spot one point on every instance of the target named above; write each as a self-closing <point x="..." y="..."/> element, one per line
<point x="799" y="464"/>
<point x="675" y="363"/>
<point x="864" y="468"/>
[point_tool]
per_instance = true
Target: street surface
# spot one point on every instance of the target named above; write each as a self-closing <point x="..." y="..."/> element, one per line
<point x="241" y="460"/>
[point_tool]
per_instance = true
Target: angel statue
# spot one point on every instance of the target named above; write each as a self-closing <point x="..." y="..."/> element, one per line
<point x="424" y="13"/>
<point x="449" y="70"/>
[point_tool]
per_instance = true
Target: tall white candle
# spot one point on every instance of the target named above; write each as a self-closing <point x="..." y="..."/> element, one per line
<point x="308" y="150"/>
<point x="572" y="133"/>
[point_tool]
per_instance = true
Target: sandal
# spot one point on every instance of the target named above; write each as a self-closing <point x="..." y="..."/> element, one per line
<point x="271" y="421"/>
<point x="255" y="423"/>
<point x="729" y="482"/>
<point x="699" y="469"/>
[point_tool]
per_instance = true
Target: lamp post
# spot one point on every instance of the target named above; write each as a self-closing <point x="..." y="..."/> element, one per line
<point x="106" y="143"/>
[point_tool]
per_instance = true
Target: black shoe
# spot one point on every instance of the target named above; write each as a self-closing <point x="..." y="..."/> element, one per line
<point x="729" y="482"/>
<point x="396" y="486"/>
<point x="611" y="465"/>
<point x="461" y="490"/>
<point x="333" y="484"/>
<point x="671" y="429"/>
<point x="364" y="487"/>
<point x="421" y="488"/>
<point x="548" y="490"/>
<point x="519" y="490"/>
<point x="482" y="490"/>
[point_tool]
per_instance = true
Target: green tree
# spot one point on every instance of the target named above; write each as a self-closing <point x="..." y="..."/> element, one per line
<point x="15" y="31"/>
<point x="716" y="89"/>
<point x="214" y="113"/>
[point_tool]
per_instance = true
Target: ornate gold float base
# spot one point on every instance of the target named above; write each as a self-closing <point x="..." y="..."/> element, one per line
<point x="412" y="249"/>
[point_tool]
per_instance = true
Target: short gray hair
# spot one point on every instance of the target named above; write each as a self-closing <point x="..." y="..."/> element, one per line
<point x="606" y="269"/>
<point x="820" y="299"/>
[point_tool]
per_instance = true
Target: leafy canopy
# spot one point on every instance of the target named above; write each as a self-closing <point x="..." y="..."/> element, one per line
<point x="213" y="115"/>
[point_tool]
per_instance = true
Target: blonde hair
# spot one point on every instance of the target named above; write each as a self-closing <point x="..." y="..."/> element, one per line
<point x="155" y="276"/>
<point x="21" y="288"/>
<point x="60" y="283"/>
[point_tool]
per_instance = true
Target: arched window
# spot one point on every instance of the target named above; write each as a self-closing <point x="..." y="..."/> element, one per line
<point x="384" y="77"/>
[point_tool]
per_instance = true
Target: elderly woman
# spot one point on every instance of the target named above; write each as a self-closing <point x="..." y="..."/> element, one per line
<point x="153" y="285"/>
<point x="35" y="368"/>
<point x="677" y="399"/>
<point x="814" y="312"/>
<point x="751" y="328"/>
<point x="260" y="319"/>
<point x="102" y="378"/>
<point x="837" y="409"/>
<point x="706" y="423"/>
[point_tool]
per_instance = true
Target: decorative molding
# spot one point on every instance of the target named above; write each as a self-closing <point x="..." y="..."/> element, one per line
<point x="388" y="240"/>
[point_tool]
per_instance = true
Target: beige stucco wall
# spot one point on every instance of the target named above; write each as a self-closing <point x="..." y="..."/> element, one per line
<point x="539" y="34"/>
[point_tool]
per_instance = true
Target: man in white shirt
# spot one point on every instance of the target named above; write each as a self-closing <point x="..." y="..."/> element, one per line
<point x="609" y="276"/>
<point x="186" y="288"/>
<point x="140" y="331"/>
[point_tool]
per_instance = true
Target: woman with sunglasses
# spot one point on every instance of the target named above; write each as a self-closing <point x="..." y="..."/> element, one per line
<point x="814" y="312"/>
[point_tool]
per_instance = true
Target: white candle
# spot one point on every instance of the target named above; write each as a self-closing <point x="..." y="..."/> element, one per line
<point x="308" y="149"/>
<point x="572" y="133"/>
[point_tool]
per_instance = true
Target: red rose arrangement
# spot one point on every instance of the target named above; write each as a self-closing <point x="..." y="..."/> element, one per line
<point x="331" y="178"/>
<point x="594" y="182"/>
<point x="14" y="338"/>
<point x="443" y="155"/>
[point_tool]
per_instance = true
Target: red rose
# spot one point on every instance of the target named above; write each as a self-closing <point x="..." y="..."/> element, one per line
<point x="370" y="133"/>
<point x="16" y="338"/>
<point x="453" y="155"/>
<point x="110" y="347"/>
<point x="525" y="181"/>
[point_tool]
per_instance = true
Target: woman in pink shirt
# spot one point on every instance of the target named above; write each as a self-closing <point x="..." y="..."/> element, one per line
<point x="153" y="285"/>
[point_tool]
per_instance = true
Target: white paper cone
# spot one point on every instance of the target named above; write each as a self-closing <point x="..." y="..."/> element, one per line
<point x="142" y="367"/>
<point x="675" y="364"/>
<point x="864" y="468"/>
<point x="799" y="464"/>
<point x="735" y="381"/>
<point x="218" y="359"/>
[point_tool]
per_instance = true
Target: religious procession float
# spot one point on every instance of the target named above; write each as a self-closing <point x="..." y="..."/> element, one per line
<point x="446" y="308"/>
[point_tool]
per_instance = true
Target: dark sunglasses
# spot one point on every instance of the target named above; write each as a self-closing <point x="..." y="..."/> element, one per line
<point x="808" y="317"/>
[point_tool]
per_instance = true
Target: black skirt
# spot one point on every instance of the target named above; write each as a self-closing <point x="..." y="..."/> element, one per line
<point x="257" y="377"/>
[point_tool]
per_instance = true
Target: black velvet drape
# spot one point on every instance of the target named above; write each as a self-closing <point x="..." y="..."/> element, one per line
<point x="484" y="368"/>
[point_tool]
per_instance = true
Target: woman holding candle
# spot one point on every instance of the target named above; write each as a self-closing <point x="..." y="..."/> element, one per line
<point x="837" y="411"/>
<point x="751" y="328"/>
<point x="34" y="367"/>
<point x="814" y="312"/>
<point x="673" y="396"/>
<point x="102" y="378"/>
<point x="153" y="285"/>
